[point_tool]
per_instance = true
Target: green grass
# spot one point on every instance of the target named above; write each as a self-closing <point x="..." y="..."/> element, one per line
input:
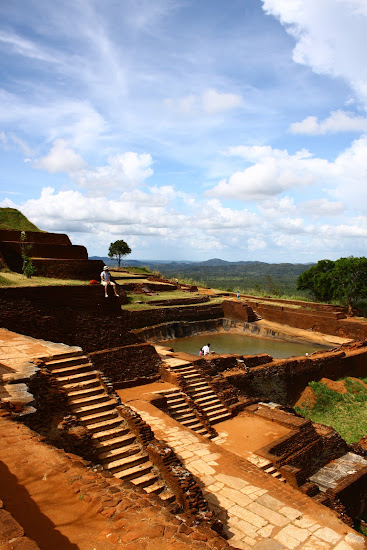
<point x="10" y="218"/>
<point x="17" y="279"/>
<point x="346" y="412"/>
<point x="133" y="304"/>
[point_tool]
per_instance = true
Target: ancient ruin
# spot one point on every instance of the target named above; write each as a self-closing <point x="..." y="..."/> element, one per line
<point x="147" y="448"/>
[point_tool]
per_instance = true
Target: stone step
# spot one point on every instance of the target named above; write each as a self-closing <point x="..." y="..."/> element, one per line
<point x="81" y="385"/>
<point x="210" y="402"/>
<point x="66" y="355"/>
<point x="107" y="404"/>
<point x="110" y="432"/>
<point x="193" y="376"/>
<point x="88" y="391"/>
<point x="211" y="408"/>
<point x="209" y="397"/>
<point x="270" y="469"/>
<point x="190" y="422"/>
<point x="155" y="488"/>
<point x="184" y="416"/>
<point x="78" y="377"/>
<point x="167" y="496"/>
<point x="89" y="399"/>
<point x="215" y="413"/>
<point x="115" y="442"/>
<point x="120" y="452"/>
<point x="63" y="371"/>
<point x="182" y="405"/>
<point x="196" y="427"/>
<point x="133" y="473"/>
<point x="183" y="370"/>
<point x="66" y="361"/>
<point x="198" y="385"/>
<point x="127" y="462"/>
<point x="202" y="431"/>
<point x="99" y="417"/>
<point x="146" y="481"/>
<point x="175" y="399"/>
<point x="220" y="418"/>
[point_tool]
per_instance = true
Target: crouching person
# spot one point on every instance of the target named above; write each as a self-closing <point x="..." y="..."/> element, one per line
<point x="106" y="280"/>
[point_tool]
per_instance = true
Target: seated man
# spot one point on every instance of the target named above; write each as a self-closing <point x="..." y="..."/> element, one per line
<point x="206" y="349"/>
<point x="106" y="280"/>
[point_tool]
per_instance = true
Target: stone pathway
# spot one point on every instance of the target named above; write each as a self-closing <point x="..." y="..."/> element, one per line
<point x="253" y="517"/>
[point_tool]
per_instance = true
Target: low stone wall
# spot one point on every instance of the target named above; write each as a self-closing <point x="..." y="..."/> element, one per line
<point x="238" y="311"/>
<point x="54" y="251"/>
<point x="148" y="318"/>
<point x="177" y="329"/>
<point x="179" y="301"/>
<point x="352" y="493"/>
<point x="327" y="322"/>
<point x="283" y="380"/>
<point x="129" y="365"/>
<point x="68" y="269"/>
<point x="11" y="235"/>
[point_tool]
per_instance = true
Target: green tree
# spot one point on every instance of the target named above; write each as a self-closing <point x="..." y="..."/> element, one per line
<point x="317" y="280"/>
<point x="119" y="249"/>
<point x="344" y="280"/>
<point x="350" y="280"/>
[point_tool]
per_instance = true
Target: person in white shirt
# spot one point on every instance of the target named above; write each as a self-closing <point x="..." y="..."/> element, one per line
<point x="206" y="349"/>
<point x="106" y="280"/>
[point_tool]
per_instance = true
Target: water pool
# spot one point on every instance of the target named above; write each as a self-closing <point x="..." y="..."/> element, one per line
<point x="241" y="345"/>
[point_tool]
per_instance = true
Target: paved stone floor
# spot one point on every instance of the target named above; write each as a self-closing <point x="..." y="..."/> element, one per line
<point x="16" y="354"/>
<point x="256" y="517"/>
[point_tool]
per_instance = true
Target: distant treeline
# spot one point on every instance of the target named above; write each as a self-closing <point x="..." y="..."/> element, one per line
<point x="274" y="279"/>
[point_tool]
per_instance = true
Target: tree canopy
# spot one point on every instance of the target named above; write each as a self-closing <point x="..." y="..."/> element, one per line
<point x="119" y="249"/>
<point x="344" y="279"/>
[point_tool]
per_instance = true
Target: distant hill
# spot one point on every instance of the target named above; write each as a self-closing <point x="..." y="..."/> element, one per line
<point x="215" y="262"/>
<point x="10" y="218"/>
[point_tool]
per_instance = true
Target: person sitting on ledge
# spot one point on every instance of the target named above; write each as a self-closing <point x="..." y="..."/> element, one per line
<point x="206" y="349"/>
<point x="106" y="280"/>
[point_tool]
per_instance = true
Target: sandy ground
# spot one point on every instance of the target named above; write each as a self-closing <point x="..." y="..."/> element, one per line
<point x="35" y="490"/>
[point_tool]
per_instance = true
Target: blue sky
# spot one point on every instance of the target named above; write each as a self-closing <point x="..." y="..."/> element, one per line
<point x="233" y="129"/>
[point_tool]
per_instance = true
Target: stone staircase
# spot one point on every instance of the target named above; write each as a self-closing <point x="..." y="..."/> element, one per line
<point x="266" y="466"/>
<point x="180" y="410"/>
<point x="197" y="388"/>
<point x="118" y="449"/>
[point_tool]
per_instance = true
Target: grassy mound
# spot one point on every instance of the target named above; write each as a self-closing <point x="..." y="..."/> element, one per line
<point x="346" y="412"/>
<point x="10" y="218"/>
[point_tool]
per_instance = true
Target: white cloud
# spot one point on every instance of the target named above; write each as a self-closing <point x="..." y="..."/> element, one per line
<point x="214" y="102"/>
<point x="273" y="171"/>
<point x="214" y="216"/>
<point x="122" y="171"/>
<point x="331" y="37"/>
<point x="338" y="121"/>
<point x="61" y="158"/>
<point x="322" y="207"/>
<point x="256" y="243"/>
<point x="210" y="102"/>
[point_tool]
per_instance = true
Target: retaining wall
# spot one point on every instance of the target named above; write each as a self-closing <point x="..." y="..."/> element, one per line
<point x="283" y="380"/>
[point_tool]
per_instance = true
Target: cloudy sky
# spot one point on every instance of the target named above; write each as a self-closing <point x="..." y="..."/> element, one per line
<point x="191" y="129"/>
